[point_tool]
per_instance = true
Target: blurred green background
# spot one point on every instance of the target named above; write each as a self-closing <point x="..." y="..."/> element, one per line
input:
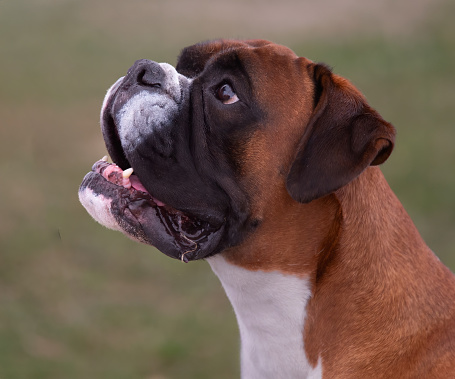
<point x="79" y="301"/>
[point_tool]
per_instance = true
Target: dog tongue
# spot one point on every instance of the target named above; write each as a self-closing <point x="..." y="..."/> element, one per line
<point x="136" y="184"/>
<point x="114" y="174"/>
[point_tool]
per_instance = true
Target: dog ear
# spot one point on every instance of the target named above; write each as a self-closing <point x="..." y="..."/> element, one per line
<point x="343" y="137"/>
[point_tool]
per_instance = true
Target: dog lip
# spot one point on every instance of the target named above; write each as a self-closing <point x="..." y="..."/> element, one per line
<point x="113" y="174"/>
<point x="122" y="178"/>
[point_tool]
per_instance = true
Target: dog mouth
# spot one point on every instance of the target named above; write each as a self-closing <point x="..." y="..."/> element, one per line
<point x="141" y="216"/>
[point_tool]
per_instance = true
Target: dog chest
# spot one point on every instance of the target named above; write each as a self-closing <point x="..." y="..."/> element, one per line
<point x="270" y="311"/>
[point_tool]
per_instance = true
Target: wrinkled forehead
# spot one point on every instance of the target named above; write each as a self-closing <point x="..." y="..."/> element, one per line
<point x="273" y="74"/>
<point x="253" y="54"/>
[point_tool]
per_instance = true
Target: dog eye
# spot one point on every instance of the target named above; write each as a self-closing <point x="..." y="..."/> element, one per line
<point x="226" y="94"/>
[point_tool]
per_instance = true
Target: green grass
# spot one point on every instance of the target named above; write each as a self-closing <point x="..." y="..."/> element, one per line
<point x="79" y="301"/>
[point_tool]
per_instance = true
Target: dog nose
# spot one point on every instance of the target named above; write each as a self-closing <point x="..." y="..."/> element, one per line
<point x="148" y="73"/>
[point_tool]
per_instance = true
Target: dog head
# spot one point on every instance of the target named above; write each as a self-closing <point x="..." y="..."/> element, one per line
<point x="236" y="128"/>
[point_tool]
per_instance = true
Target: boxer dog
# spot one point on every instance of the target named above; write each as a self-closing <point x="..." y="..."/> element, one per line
<point x="265" y="164"/>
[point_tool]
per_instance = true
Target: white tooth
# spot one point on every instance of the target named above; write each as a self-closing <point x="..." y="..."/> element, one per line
<point x="104" y="158"/>
<point x="127" y="173"/>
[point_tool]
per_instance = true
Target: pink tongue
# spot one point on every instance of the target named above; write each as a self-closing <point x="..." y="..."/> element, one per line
<point x="136" y="183"/>
<point x="113" y="173"/>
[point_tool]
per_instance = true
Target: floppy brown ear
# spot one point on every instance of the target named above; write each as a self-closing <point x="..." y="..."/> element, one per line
<point x="344" y="136"/>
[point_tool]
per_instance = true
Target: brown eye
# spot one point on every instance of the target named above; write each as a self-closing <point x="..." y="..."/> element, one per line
<point x="226" y="94"/>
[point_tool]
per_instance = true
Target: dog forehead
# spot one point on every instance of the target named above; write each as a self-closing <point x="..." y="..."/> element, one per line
<point x="259" y="53"/>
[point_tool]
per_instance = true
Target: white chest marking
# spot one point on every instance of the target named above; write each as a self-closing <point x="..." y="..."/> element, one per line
<point x="270" y="310"/>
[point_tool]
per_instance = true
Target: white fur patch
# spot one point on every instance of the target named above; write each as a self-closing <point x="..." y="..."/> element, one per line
<point x="110" y="91"/>
<point x="143" y="114"/>
<point x="99" y="208"/>
<point x="172" y="81"/>
<point x="147" y="112"/>
<point x="270" y="309"/>
<point x="316" y="372"/>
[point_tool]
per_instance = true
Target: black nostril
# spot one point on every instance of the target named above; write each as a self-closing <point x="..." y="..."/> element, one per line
<point x="148" y="79"/>
<point x="150" y="74"/>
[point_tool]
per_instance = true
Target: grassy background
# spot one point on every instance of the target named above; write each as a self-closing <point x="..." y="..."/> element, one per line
<point x="79" y="301"/>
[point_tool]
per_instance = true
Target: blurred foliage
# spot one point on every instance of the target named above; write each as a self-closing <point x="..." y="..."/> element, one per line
<point x="79" y="301"/>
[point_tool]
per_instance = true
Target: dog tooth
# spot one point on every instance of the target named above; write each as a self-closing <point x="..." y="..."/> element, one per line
<point x="104" y="159"/>
<point x="127" y="173"/>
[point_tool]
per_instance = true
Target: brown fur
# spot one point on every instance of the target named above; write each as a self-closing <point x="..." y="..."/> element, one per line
<point x="383" y="305"/>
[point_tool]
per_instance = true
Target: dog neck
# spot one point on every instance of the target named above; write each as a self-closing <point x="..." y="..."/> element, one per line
<point x="381" y="287"/>
<point x="269" y="281"/>
<point x="329" y="279"/>
<point x="270" y="309"/>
